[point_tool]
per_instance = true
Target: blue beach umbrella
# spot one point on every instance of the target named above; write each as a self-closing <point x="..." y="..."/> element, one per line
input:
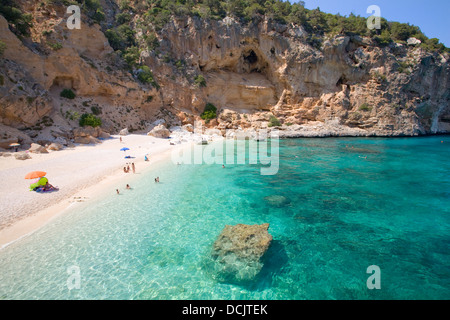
<point x="124" y="149"/>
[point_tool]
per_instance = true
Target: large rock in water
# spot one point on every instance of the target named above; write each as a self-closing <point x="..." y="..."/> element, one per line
<point x="238" y="250"/>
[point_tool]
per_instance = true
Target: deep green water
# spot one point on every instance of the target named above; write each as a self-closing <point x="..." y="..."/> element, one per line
<point x="351" y="203"/>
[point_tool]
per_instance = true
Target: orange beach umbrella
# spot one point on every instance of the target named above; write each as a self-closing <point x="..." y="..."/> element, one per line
<point x="35" y="174"/>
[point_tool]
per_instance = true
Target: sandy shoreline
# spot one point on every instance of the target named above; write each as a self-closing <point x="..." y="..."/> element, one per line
<point x="82" y="174"/>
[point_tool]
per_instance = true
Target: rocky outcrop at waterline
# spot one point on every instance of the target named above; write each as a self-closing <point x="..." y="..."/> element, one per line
<point x="237" y="253"/>
<point x="252" y="72"/>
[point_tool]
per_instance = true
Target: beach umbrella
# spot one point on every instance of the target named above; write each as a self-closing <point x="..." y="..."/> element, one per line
<point x="124" y="149"/>
<point x="35" y="174"/>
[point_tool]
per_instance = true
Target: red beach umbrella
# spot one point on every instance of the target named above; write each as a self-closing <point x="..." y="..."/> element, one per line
<point x="35" y="174"/>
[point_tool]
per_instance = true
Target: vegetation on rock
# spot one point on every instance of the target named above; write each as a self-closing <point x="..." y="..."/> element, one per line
<point x="209" y="113"/>
<point x="89" y="119"/>
<point x="67" y="93"/>
<point x="274" y="122"/>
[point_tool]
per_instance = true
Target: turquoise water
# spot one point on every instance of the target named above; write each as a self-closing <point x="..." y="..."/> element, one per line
<point x="351" y="203"/>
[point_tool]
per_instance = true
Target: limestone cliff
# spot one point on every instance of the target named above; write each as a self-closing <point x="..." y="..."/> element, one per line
<point x="267" y="68"/>
<point x="347" y="86"/>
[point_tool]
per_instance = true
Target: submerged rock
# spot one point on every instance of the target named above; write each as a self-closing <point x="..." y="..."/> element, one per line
<point x="277" y="200"/>
<point x="238" y="250"/>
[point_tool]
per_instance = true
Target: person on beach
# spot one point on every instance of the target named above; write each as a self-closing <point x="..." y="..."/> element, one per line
<point x="48" y="187"/>
<point x="128" y="168"/>
<point x="117" y="190"/>
<point x="128" y="186"/>
<point x="120" y="139"/>
<point x="145" y="158"/>
<point x="157" y="179"/>
<point x="133" y="167"/>
<point x="125" y="169"/>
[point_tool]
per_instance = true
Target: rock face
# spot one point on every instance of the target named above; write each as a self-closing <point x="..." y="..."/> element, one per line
<point x="160" y="131"/>
<point x="348" y="85"/>
<point x="266" y="69"/>
<point x="238" y="250"/>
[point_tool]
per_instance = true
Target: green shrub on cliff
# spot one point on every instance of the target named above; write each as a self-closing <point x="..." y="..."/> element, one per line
<point x="121" y="37"/>
<point x="88" y="119"/>
<point x="21" y="22"/>
<point x="2" y="47"/>
<point x="365" y="107"/>
<point x="209" y="113"/>
<point x="145" y="75"/>
<point x="200" y="81"/>
<point x="274" y="122"/>
<point x="67" y="93"/>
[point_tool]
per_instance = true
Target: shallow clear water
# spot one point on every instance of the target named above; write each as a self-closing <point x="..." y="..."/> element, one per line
<point x="344" y="213"/>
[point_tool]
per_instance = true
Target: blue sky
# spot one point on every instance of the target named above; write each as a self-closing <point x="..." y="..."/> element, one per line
<point x="432" y="16"/>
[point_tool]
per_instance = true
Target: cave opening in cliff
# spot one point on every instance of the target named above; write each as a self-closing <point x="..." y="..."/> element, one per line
<point x="252" y="62"/>
<point x="251" y="57"/>
<point x="342" y="80"/>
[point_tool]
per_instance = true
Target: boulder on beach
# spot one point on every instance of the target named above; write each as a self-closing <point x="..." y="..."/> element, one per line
<point x="188" y="127"/>
<point x="89" y="131"/>
<point x="37" y="148"/>
<point x="160" y="131"/>
<point x="86" y="140"/>
<point x="123" y="132"/>
<point x="104" y="135"/>
<point x="238" y="250"/>
<point x="22" y="156"/>
<point x="55" y="146"/>
<point x="4" y="143"/>
<point x="9" y="135"/>
<point x="277" y="200"/>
